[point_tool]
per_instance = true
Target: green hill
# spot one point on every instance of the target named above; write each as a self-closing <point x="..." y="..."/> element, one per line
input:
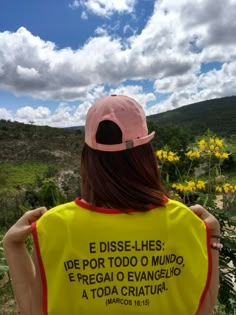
<point x="21" y="143"/>
<point x="218" y="115"/>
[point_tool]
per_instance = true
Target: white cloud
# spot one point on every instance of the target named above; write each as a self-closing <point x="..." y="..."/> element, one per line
<point x="62" y="117"/>
<point x="127" y="29"/>
<point x="209" y="85"/>
<point x="136" y="92"/>
<point x="5" y="114"/>
<point x="176" y="83"/>
<point x="84" y="15"/>
<point x="27" y="114"/>
<point x="218" y="83"/>
<point x="103" y="7"/>
<point x="75" y="4"/>
<point x="27" y="73"/>
<point x="177" y="39"/>
<point x="101" y="31"/>
<point x="80" y="113"/>
<point x="67" y="115"/>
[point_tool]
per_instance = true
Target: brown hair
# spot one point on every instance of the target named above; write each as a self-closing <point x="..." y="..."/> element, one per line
<point x="127" y="179"/>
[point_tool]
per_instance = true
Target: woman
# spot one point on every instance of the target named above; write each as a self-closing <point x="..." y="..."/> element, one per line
<point x="123" y="247"/>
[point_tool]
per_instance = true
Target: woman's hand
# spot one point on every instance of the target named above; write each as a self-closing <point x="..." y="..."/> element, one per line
<point x="207" y="217"/>
<point x="21" y="266"/>
<point x="19" y="232"/>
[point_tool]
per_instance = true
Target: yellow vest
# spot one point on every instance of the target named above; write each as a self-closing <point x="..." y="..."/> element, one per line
<point x="103" y="261"/>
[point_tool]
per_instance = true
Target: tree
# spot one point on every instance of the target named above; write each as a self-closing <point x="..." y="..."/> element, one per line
<point x="50" y="194"/>
<point x="175" y="137"/>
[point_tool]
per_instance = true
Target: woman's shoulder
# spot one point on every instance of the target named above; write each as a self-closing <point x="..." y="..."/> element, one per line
<point x="58" y="210"/>
<point x="172" y="203"/>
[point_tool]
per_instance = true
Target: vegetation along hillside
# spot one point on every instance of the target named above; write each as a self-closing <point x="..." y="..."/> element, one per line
<point x="218" y="115"/>
<point x="31" y="153"/>
<point x="21" y="142"/>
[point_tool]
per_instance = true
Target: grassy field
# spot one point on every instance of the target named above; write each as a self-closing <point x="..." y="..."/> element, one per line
<point x="18" y="175"/>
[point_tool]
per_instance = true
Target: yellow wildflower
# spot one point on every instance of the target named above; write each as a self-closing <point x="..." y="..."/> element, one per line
<point x="218" y="155"/>
<point x="225" y="155"/>
<point x="178" y="186"/>
<point x="193" y="154"/>
<point x="189" y="186"/>
<point x="164" y="155"/>
<point x="159" y="154"/>
<point x="219" y="142"/>
<point x="167" y="155"/>
<point x="202" y="144"/>
<point x="218" y="189"/>
<point x="226" y="187"/>
<point x="200" y="184"/>
<point x="172" y="157"/>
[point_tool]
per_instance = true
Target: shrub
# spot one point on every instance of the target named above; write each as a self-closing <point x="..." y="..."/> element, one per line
<point x="202" y="181"/>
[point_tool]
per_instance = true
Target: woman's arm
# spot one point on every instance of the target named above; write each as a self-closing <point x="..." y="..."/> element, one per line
<point x="212" y="294"/>
<point x="37" y="292"/>
<point x="21" y="265"/>
<point x="211" y="297"/>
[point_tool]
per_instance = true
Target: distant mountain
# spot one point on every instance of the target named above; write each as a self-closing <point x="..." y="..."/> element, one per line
<point x="218" y="115"/>
<point x="22" y="142"/>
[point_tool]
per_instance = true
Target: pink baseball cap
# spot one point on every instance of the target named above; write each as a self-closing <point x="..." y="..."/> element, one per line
<point x="123" y="111"/>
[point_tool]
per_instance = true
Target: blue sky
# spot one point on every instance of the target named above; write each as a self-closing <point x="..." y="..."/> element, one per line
<point x="58" y="57"/>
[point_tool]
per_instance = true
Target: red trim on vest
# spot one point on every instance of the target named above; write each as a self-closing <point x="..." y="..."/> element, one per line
<point x="41" y="268"/>
<point x="209" y="274"/>
<point x="87" y="206"/>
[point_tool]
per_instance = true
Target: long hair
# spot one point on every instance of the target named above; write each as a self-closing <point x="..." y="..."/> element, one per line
<point x="127" y="179"/>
